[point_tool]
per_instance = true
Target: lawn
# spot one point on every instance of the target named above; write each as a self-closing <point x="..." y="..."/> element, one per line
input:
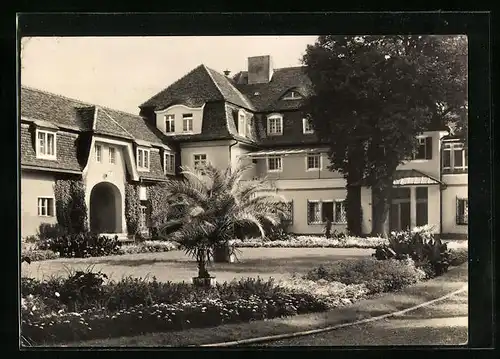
<point x="175" y="266"/>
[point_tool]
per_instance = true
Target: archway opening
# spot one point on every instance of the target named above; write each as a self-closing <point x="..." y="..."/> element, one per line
<point x="105" y="208"/>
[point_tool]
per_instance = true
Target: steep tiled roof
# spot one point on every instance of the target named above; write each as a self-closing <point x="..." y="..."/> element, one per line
<point x="229" y="91"/>
<point x="106" y="125"/>
<point x="266" y="96"/>
<point x="66" y="151"/>
<point x="193" y="90"/>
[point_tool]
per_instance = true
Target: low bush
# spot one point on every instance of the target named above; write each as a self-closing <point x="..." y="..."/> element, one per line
<point x="419" y="244"/>
<point x="134" y="306"/>
<point x="38" y="255"/>
<point x="50" y="231"/>
<point x="378" y="276"/>
<point x="458" y="256"/>
<point x="311" y="242"/>
<point x="83" y="245"/>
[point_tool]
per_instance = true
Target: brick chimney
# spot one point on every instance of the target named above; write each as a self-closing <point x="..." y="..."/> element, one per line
<point x="260" y="69"/>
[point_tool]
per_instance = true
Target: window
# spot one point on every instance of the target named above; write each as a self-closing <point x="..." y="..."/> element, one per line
<point x="340" y="212"/>
<point x="200" y="161"/>
<point x="242" y="124"/>
<point x="274" y="164"/>
<point x="169" y="163"/>
<point x="170" y="123"/>
<point x="98" y="153"/>
<point x="313" y="162"/>
<point x="462" y="211"/>
<point x="454" y="157"/>
<point x="424" y="149"/>
<point x="46" y="206"/>
<point x="112" y="155"/>
<point x="307" y="126"/>
<point x="319" y="211"/>
<point x="292" y="95"/>
<point x="275" y="125"/>
<point x="46" y="144"/>
<point x="187" y="122"/>
<point x="143" y="159"/>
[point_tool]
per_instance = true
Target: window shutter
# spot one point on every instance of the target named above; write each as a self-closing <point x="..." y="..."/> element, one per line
<point x="428" y="148"/>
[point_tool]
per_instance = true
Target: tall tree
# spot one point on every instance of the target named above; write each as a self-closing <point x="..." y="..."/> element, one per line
<point x="372" y="96"/>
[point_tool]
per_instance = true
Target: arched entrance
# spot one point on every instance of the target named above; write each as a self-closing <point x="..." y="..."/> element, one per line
<point x="105" y="208"/>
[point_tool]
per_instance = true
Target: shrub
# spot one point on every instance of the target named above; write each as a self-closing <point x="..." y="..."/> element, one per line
<point x="84" y="245"/>
<point x="134" y="306"/>
<point x="378" y="276"/>
<point x="458" y="256"/>
<point x="39" y="255"/>
<point x="50" y="231"/>
<point x="31" y="239"/>
<point x="420" y="245"/>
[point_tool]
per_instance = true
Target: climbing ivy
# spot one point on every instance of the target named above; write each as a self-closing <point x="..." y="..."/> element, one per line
<point x="156" y="196"/>
<point x="71" y="209"/>
<point x="132" y="208"/>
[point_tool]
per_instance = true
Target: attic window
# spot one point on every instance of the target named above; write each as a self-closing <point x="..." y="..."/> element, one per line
<point x="46" y="144"/>
<point x="242" y="123"/>
<point x="292" y="95"/>
<point x="143" y="159"/>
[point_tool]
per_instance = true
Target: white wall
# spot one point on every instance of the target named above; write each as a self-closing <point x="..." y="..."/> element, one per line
<point x="178" y="111"/>
<point x="217" y="153"/>
<point x="457" y="188"/>
<point x="34" y="185"/>
<point x="106" y="172"/>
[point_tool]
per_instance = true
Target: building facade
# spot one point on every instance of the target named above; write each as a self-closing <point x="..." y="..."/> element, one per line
<point x="254" y="117"/>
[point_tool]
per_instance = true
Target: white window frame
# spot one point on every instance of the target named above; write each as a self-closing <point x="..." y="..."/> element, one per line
<point x="143" y="216"/>
<point x="170" y="124"/>
<point x="199" y="162"/>
<point x="450" y="147"/>
<point x="145" y="164"/>
<point x="320" y="162"/>
<point x="320" y="202"/>
<point x="242" y="123"/>
<point x="290" y="95"/>
<point x="280" y="168"/>
<point x="48" y="198"/>
<point x="420" y="139"/>
<point x="307" y="126"/>
<point x="167" y="169"/>
<point x="98" y="152"/>
<point x="39" y="153"/>
<point x="278" y="119"/>
<point x="112" y="155"/>
<point x="187" y="120"/>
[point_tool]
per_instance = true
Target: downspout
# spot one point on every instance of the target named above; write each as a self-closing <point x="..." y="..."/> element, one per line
<point x="230" y="146"/>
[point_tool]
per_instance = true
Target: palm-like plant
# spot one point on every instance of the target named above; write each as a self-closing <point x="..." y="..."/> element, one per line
<point x="212" y="203"/>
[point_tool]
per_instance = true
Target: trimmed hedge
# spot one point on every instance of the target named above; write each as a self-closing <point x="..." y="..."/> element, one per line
<point x="311" y="242"/>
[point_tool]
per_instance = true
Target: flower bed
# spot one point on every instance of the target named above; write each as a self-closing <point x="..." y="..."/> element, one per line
<point x="172" y="306"/>
<point x="149" y="247"/>
<point x="39" y="254"/>
<point x="311" y="242"/>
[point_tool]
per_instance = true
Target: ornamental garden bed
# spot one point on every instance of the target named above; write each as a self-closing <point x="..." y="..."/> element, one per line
<point x="85" y="306"/>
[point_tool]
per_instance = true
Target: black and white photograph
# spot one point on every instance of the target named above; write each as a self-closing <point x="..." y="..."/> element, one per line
<point x="244" y="190"/>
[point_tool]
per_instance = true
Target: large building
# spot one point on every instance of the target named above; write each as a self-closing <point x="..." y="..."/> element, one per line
<point x="256" y="117"/>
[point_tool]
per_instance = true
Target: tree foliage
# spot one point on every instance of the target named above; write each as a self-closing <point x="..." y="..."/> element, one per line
<point x="211" y="203"/>
<point x="374" y="94"/>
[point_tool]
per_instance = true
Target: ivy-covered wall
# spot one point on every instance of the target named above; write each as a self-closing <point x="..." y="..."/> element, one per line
<point x="132" y="208"/>
<point x="156" y="196"/>
<point x="71" y="209"/>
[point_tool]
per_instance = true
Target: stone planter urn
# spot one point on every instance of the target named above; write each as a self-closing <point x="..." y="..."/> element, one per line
<point x="204" y="282"/>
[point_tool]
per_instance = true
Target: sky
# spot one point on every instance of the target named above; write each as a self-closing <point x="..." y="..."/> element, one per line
<point x="123" y="72"/>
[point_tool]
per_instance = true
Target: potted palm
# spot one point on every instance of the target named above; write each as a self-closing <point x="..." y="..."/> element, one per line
<point x="210" y="204"/>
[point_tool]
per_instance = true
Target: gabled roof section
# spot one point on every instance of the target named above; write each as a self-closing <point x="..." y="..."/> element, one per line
<point x="229" y="91"/>
<point x="268" y="96"/>
<point x="193" y="90"/>
<point x="413" y="177"/>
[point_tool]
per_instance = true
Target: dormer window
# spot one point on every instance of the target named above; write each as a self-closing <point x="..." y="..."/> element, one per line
<point x="187" y="122"/>
<point x="142" y="159"/>
<point x="169" y="163"/>
<point x="292" y="95"/>
<point x="307" y="126"/>
<point x="169" y="123"/>
<point x="45" y="144"/>
<point x="275" y="125"/>
<point x="242" y="124"/>
<point x="424" y="148"/>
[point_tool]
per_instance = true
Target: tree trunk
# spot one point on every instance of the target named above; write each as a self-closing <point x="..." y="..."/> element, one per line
<point x="353" y="209"/>
<point x="381" y="203"/>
